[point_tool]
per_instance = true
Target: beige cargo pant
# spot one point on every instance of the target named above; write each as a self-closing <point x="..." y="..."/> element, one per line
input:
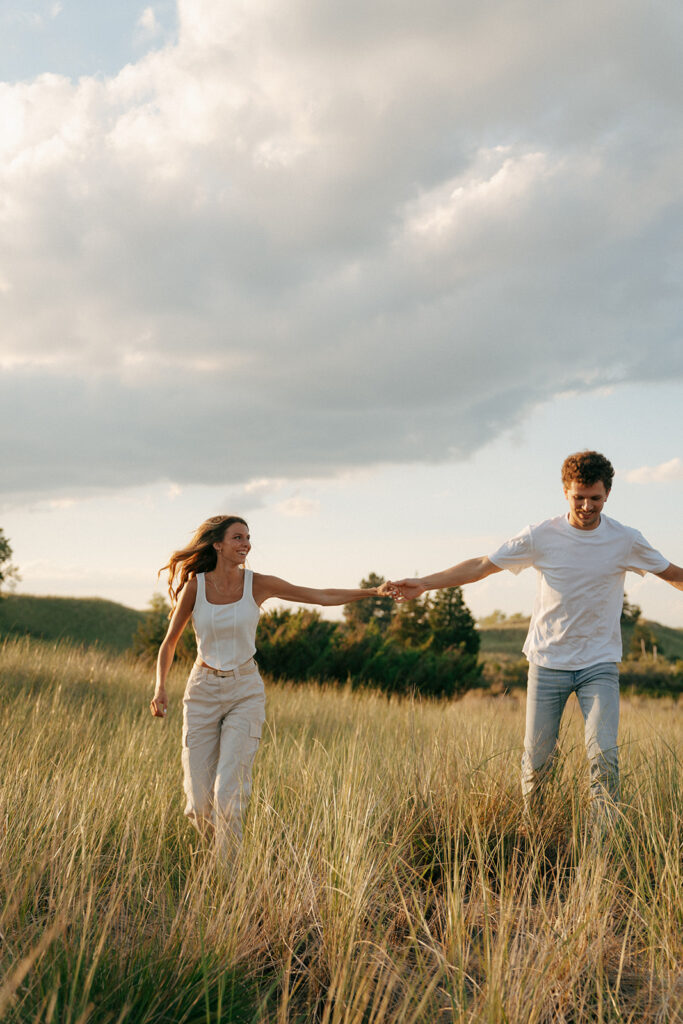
<point x="223" y="714"/>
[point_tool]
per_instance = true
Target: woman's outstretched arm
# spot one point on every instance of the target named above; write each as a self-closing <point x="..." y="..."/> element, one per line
<point x="272" y="586"/>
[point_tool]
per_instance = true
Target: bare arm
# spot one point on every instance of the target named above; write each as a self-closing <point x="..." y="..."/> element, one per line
<point x="179" y="619"/>
<point x="673" y="574"/>
<point x="469" y="571"/>
<point x="273" y="586"/>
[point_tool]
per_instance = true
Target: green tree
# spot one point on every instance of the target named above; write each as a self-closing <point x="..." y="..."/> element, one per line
<point x="630" y="613"/>
<point x="451" y="622"/>
<point x="496" y="618"/>
<point x="295" y="645"/>
<point x="8" y="572"/>
<point x="630" y="620"/>
<point x="409" y="625"/>
<point x="371" y="609"/>
<point x="152" y="630"/>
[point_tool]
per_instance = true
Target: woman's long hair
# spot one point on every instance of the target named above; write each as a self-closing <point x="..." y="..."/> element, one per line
<point x="200" y="554"/>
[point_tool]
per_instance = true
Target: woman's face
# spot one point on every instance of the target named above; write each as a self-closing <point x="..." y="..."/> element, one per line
<point x="235" y="545"/>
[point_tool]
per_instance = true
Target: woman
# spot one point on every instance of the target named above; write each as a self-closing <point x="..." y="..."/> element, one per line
<point x="224" y="702"/>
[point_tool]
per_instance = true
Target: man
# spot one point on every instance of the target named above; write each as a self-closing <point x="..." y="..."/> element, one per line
<point x="574" y="639"/>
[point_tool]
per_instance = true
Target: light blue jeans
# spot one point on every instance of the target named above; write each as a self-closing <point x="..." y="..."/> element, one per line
<point x="597" y="691"/>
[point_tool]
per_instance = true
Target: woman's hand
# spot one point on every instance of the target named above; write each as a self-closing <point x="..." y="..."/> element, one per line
<point x="159" y="704"/>
<point x="403" y="590"/>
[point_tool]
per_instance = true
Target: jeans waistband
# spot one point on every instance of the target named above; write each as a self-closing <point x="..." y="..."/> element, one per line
<point x="230" y="673"/>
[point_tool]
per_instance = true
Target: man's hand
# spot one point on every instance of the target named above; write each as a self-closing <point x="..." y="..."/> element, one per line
<point x="402" y="590"/>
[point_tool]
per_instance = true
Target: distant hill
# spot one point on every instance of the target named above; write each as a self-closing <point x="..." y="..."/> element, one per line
<point x="507" y="640"/>
<point x="85" y="620"/>
<point x="503" y="639"/>
<point x="669" y="640"/>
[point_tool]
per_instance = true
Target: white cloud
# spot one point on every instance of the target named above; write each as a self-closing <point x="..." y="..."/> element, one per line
<point x="496" y="186"/>
<point x="148" y="24"/>
<point x="61" y="503"/>
<point x="663" y="473"/>
<point x="298" y="507"/>
<point x="30" y="19"/>
<point x="264" y="487"/>
<point x="382" y="236"/>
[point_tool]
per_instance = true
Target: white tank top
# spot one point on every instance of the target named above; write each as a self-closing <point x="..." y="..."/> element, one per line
<point x="226" y="633"/>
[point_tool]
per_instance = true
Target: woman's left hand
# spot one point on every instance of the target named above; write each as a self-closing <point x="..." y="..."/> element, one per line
<point x="159" y="704"/>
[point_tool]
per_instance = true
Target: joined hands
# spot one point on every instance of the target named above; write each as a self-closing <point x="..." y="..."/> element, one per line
<point x="401" y="590"/>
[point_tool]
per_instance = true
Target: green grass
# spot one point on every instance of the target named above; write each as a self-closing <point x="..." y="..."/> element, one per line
<point x="502" y="640"/>
<point x="385" y="877"/>
<point x="83" y="620"/>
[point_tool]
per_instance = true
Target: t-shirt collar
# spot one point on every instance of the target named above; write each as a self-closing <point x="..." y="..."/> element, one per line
<point x="584" y="533"/>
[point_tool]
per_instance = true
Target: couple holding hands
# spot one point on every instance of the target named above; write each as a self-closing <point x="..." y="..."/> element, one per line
<point x="573" y="644"/>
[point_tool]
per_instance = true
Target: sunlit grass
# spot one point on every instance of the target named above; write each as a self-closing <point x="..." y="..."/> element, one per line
<point x="386" y="874"/>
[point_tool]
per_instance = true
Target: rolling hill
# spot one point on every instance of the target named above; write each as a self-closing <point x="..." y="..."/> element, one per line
<point x="84" y="620"/>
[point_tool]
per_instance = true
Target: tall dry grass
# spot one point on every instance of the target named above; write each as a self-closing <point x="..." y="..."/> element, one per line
<point x="386" y="873"/>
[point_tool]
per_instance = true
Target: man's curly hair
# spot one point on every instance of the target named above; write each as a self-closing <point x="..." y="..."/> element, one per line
<point x="587" y="468"/>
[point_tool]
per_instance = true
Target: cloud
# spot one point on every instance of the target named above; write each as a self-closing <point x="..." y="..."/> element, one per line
<point x="256" y="493"/>
<point x="147" y="24"/>
<point x="295" y="243"/>
<point x="299" y="507"/>
<point x="35" y="19"/>
<point x="664" y="473"/>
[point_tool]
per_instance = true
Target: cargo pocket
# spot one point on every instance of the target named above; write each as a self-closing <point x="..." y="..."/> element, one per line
<point x="251" y="744"/>
<point x="247" y="737"/>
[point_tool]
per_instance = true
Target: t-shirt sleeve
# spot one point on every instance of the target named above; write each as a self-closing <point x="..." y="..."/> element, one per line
<point x="644" y="558"/>
<point x="516" y="553"/>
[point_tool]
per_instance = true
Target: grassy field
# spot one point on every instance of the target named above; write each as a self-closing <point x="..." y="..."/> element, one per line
<point x="386" y="874"/>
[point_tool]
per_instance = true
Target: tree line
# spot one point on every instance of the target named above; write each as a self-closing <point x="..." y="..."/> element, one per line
<point x="429" y="646"/>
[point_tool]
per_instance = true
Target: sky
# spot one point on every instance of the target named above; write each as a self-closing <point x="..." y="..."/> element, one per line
<point x="362" y="273"/>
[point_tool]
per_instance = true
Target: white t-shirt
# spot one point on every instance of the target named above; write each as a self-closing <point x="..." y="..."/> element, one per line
<point x="580" y="589"/>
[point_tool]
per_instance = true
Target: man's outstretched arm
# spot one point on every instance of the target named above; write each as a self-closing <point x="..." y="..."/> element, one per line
<point x="469" y="571"/>
<point x="673" y="574"/>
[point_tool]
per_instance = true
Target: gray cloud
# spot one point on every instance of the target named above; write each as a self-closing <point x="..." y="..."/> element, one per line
<point x="292" y="244"/>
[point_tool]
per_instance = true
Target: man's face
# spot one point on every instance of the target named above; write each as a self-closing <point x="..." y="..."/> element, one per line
<point x="585" y="504"/>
